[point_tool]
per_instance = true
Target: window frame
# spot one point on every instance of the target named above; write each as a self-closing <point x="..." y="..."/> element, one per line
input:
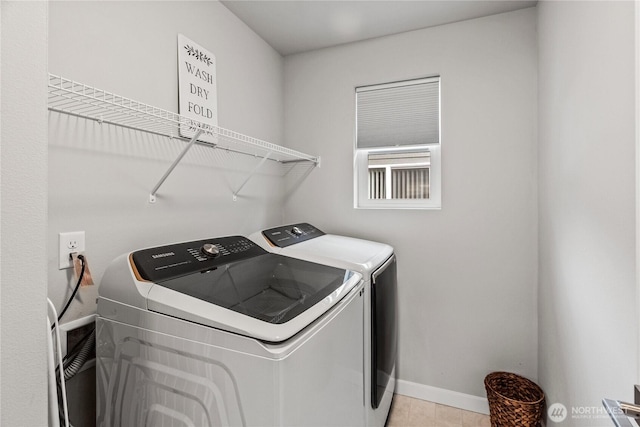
<point x="361" y="164"/>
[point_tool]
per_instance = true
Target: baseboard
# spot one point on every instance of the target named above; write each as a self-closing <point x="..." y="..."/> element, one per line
<point x="464" y="401"/>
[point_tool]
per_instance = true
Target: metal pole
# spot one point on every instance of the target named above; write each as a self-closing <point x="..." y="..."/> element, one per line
<point x="258" y="166"/>
<point x="152" y="196"/>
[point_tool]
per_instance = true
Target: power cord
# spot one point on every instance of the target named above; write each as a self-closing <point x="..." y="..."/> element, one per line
<point x="73" y="361"/>
<point x="81" y="258"/>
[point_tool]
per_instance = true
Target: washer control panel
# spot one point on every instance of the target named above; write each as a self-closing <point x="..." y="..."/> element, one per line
<point x="288" y="235"/>
<point x="170" y="261"/>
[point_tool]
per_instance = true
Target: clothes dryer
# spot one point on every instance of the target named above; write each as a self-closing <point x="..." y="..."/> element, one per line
<point x="376" y="262"/>
<point x="218" y="332"/>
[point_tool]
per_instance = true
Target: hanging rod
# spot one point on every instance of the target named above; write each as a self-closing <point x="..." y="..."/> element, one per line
<point x="177" y="137"/>
<point x="80" y="100"/>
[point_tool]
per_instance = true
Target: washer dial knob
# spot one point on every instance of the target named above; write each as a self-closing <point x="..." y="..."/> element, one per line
<point x="209" y="249"/>
<point x="296" y="231"/>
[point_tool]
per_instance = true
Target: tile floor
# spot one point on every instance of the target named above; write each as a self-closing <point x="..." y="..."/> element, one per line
<point x="409" y="412"/>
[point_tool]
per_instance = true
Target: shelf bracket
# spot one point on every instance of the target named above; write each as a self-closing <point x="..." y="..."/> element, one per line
<point x="258" y="166"/>
<point x="152" y="196"/>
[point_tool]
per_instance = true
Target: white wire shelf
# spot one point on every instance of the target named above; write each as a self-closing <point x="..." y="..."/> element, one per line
<point x="80" y="100"/>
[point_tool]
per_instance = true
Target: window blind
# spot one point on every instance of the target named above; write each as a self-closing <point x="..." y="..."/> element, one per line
<point x="410" y="183"/>
<point x="398" y="114"/>
<point x="377" y="183"/>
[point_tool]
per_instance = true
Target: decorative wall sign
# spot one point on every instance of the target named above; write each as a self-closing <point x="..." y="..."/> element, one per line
<point x="197" y="89"/>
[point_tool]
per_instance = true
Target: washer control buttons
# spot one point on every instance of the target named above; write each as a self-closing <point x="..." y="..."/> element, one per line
<point x="209" y="249"/>
<point x="239" y="246"/>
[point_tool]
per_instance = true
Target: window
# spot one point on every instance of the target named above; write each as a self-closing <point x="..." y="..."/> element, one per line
<point x="399" y="175"/>
<point x="397" y="150"/>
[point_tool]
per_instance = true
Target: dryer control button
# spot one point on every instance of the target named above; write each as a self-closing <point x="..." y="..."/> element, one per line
<point x="210" y="249"/>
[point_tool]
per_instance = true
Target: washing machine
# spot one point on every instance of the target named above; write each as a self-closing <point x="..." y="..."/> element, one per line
<point x="376" y="262"/>
<point x="219" y="332"/>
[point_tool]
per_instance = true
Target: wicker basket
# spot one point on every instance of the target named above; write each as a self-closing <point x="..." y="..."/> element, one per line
<point x="513" y="400"/>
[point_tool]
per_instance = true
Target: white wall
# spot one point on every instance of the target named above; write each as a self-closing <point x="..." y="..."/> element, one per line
<point x="467" y="273"/>
<point x="23" y="198"/>
<point x="588" y="326"/>
<point x="100" y="176"/>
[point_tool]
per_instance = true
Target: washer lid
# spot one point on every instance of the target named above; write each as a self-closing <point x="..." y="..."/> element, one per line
<point x="269" y="297"/>
<point x="359" y="255"/>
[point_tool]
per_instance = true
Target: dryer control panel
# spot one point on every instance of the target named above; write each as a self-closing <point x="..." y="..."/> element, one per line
<point x="179" y="259"/>
<point x="288" y="235"/>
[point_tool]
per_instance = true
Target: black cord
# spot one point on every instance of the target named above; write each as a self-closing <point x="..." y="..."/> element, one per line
<point x="81" y="258"/>
<point x="77" y="347"/>
<point x="66" y="361"/>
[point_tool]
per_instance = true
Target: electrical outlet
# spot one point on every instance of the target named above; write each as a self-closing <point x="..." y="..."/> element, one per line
<point x="68" y="244"/>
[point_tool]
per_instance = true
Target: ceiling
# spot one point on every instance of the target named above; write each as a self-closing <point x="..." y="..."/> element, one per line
<point x="293" y="26"/>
